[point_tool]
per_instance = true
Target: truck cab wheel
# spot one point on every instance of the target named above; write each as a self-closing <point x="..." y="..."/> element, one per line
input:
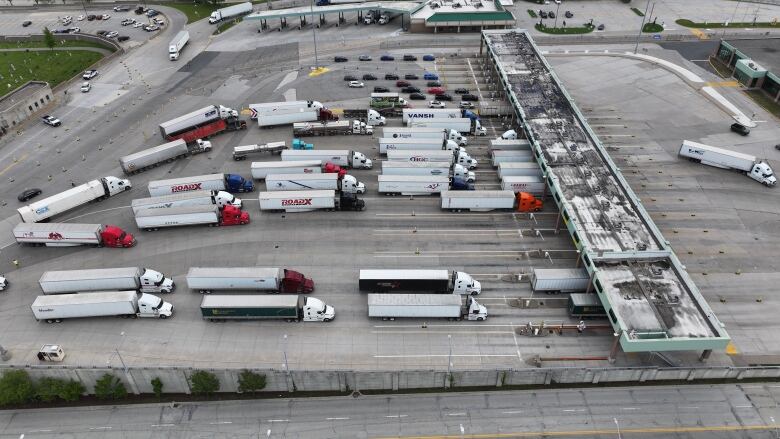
<point x="479" y="319"/>
<point x="163" y="316"/>
<point x="325" y="320"/>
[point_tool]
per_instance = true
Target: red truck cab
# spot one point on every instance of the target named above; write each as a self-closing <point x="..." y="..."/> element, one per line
<point x="330" y="168"/>
<point x="528" y="203"/>
<point x="113" y="236"/>
<point x="233" y="216"/>
<point x="295" y="282"/>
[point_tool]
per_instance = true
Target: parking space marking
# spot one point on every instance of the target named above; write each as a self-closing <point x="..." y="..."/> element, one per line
<point x="19" y="160"/>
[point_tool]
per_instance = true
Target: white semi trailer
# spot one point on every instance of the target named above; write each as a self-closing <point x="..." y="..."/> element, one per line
<point x="182" y="199"/>
<point x="72" y="198"/>
<point x="56" y="308"/>
<point x="749" y="165"/>
<point x="391" y="167"/>
<point x="416" y="144"/>
<point x="499" y="156"/>
<point x="530" y="184"/>
<point x="560" y="280"/>
<point x="514" y="169"/>
<point x="342" y="157"/>
<point x="261" y="170"/>
<point x="393" y="306"/>
<point x="306" y="201"/>
<point x="424" y="133"/>
<point x="299" y="182"/>
<point x="165" y="153"/>
<point x="140" y="279"/>
<point x="460" y="157"/>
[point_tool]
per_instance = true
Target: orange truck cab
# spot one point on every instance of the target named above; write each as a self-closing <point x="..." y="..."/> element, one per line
<point x="528" y="203"/>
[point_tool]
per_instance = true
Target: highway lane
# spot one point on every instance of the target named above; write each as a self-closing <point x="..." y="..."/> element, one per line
<point x="718" y="411"/>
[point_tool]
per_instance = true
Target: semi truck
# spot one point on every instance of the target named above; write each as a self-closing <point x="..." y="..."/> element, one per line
<point x="260" y="170"/>
<point x="369" y="117"/>
<point x="71" y="234"/>
<point x="510" y="144"/>
<point x="94" y="190"/>
<point x="387" y="101"/>
<point x="230" y="12"/>
<point x="749" y="165"/>
<point x="139" y="279"/>
<point x="418" y="114"/>
<point x="210" y="182"/>
<point x="485" y="201"/>
<point x="306" y="201"/>
<point x="424" y="133"/>
<point x="289" y="307"/>
<point x="177" y="44"/>
<point x="585" y="306"/>
<point x="342" y="157"/>
<point x="56" y="308"/>
<point x="287" y="118"/>
<point x="393" y="306"/>
<point x="192" y="198"/>
<point x="202" y="123"/>
<point x="339" y="127"/>
<point x="207" y="280"/>
<point x="498" y="156"/>
<point x="154" y="219"/>
<point x="391" y="167"/>
<point x="521" y="183"/>
<point x="298" y="182"/>
<point x="416" y="144"/>
<point x="167" y="152"/>
<point x="560" y="280"/>
<point x="429" y="281"/>
<point x="281" y="107"/>
<point x="515" y="169"/>
<point x="244" y="151"/>
<point x="460" y="157"/>
<point x="460" y="124"/>
<point x="420" y="184"/>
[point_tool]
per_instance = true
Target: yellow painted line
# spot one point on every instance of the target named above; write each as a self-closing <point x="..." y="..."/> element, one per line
<point x="699" y="34"/>
<point x="24" y="156"/>
<point x="576" y="433"/>
<point x="318" y="71"/>
<point x="723" y="84"/>
<point x="731" y="349"/>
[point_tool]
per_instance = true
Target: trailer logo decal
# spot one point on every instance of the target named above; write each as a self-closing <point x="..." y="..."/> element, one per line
<point x="42" y="210"/>
<point x="186" y="187"/>
<point x="418" y="158"/>
<point x="55" y="236"/>
<point x="297" y="202"/>
<point x="433" y="186"/>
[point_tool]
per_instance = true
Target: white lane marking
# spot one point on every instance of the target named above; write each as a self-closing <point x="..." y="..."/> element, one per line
<point x="163" y="425"/>
<point x="97" y="211"/>
<point x="512" y="412"/>
<point x="444" y="326"/>
<point x="444" y="355"/>
<point x="573" y="410"/>
<point x="692" y="408"/>
<point x="220" y="423"/>
<point x="396" y="416"/>
<point x="743" y="406"/>
<point x="336" y="419"/>
<point x="100" y="428"/>
<point x="278" y="420"/>
<point x="630" y="408"/>
<point x="456" y="414"/>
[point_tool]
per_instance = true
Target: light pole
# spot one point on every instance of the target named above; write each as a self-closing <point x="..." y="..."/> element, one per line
<point x="557" y="11"/>
<point x="286" y="366"/>
<point x="314" y="35"/>
<point x="449" y="361"/>
<point x="642" y="26"/>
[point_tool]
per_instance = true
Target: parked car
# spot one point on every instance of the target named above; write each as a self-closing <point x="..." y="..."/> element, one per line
<point x="28" y="194"/>
<point x="159" y="21"/>
<point x="60" y="31"/>
<point x="402" y="83"/>
<point x="26" y="23"/>
<point x="381" y="90"/>
<point x="740" y="129"/>
<point x="121" y="8"/>
<point x="408" y="57"/>
<point x="410" y="90"/>
<point x="543" y="14"/>
<point x="127" y="21"/>
<point x="443" y="97"/>
<point x="89" y="74"/>
<point x="551" y="14"/>
<point x="365" y="58"/>
<point x="81" y="17"/>
<point x="151" y="28"/>
<point x="356" y="84"/>
<point x="601" y="27"/>
<point x="90" y="17"/>
<point x="411" y="76"/>
<point x="466" y="104"/>
<point x="429" y="58"/>
<point x="436" y="104"/>
<point x="436" y="91"/>
<point x="387" y="58"/>
<point x="112" y="34"/>
<point x="101" y="32"/>
<point x="74" y="30"/>
<point x="433" y="84"/>
<point x="152" y="13"/>
<point x="469" y="97"/>
<point x="350" y="78"/>
<point x="105" y="17"/>
<point x="568" y="14"/>
<point x="391" y="76"/>
<point x="369" y="77"/>
<point x="86" y="87"/>
<point x="417" y="97"/>
<point x="461" y="91"/>
<point x="137" y="24"/>
<point x="67" y="18"/>
<point x="431" y="77"/>
<point x="122" y="38"/>
<point x="340" y="59"/>
<point x="140" y="10"/>
<point x="51" y="121"/>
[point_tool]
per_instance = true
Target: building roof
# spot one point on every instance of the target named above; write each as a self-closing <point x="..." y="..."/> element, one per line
<point x="763" y="51"/>
<point x="439" y="17"/>
<point x="21" y="94"/>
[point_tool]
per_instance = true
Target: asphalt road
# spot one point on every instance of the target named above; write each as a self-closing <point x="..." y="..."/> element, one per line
<point x="690" y="412"/>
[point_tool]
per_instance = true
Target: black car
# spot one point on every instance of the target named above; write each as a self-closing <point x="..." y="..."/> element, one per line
<point x="381" y="90"/>
<point x="469" y="97"/>
<point x="462" y="91"/>
<point x="601" y="27"/>
<point x="408" y="57"/>
<point x="387" y="58"/>
<point x="140" y="10"/>
<point x="123" y="38"/>
<point x="369" y="77"/>
<point x="29" y="194"/>
<point x="740" y="129"/>
<point x="543" y="14"/>
<point x="26" y="23"/>
<point x="411" y="76"/>
<point x="444" y="97"/>
<point x="101" y="32"/>
<point x="434" y="84"/>
<point x="551" y="14"/>
<point x="91" y="17"/>
<point x="340" y="59"/>
<point x="568" y="14"/>
<point x="391" y="77"/>
<point x="350" y="78"/>
<point x="410" y="90"/>
<point x="417" y="97"/>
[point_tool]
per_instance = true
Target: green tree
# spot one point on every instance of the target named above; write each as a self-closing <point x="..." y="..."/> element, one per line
<point x="16" y="387"/>
<point x="249" y="381"/>
<point x="48" y="38"/>
<point x="71" y="390"/>
<point x="157" y="386"/>
<point x="48" y="389"/>
<point x="203" y="382"/>
<point x="110" y="387"/>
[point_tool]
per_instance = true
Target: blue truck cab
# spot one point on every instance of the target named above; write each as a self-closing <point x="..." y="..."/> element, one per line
<point x="471" y="115"/>
<point x="300" y="144"/>
<point x="459" y="184"/>
<point x="237" y="183"/>
<point x="431" y="77"/>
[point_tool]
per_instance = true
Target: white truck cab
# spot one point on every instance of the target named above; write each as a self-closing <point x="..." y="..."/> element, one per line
<point x="315" y="310"/>
<point x="350" y="184"/>
<point x="374" y="118"/>
<point x="466" y="161"/>
<point x="153" y="306"/>
<point x="3" y="282"/>
<point x="117" y="185"/>
<point x="152" y="281"/>
<point x="476" y="311"/>
<point x="463" y="283"/>
<point x="224" y="198"/>
<point x="479" y="130"/>
<point x="762" y="173"/>
<point x="459" y="170"/>
<point x="359" y="160"/>
<point x="509" y="135"/>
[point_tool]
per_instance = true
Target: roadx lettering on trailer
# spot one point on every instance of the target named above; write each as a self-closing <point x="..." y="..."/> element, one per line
<point x="186" y="187"/>
<point x="297" y="202"/>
